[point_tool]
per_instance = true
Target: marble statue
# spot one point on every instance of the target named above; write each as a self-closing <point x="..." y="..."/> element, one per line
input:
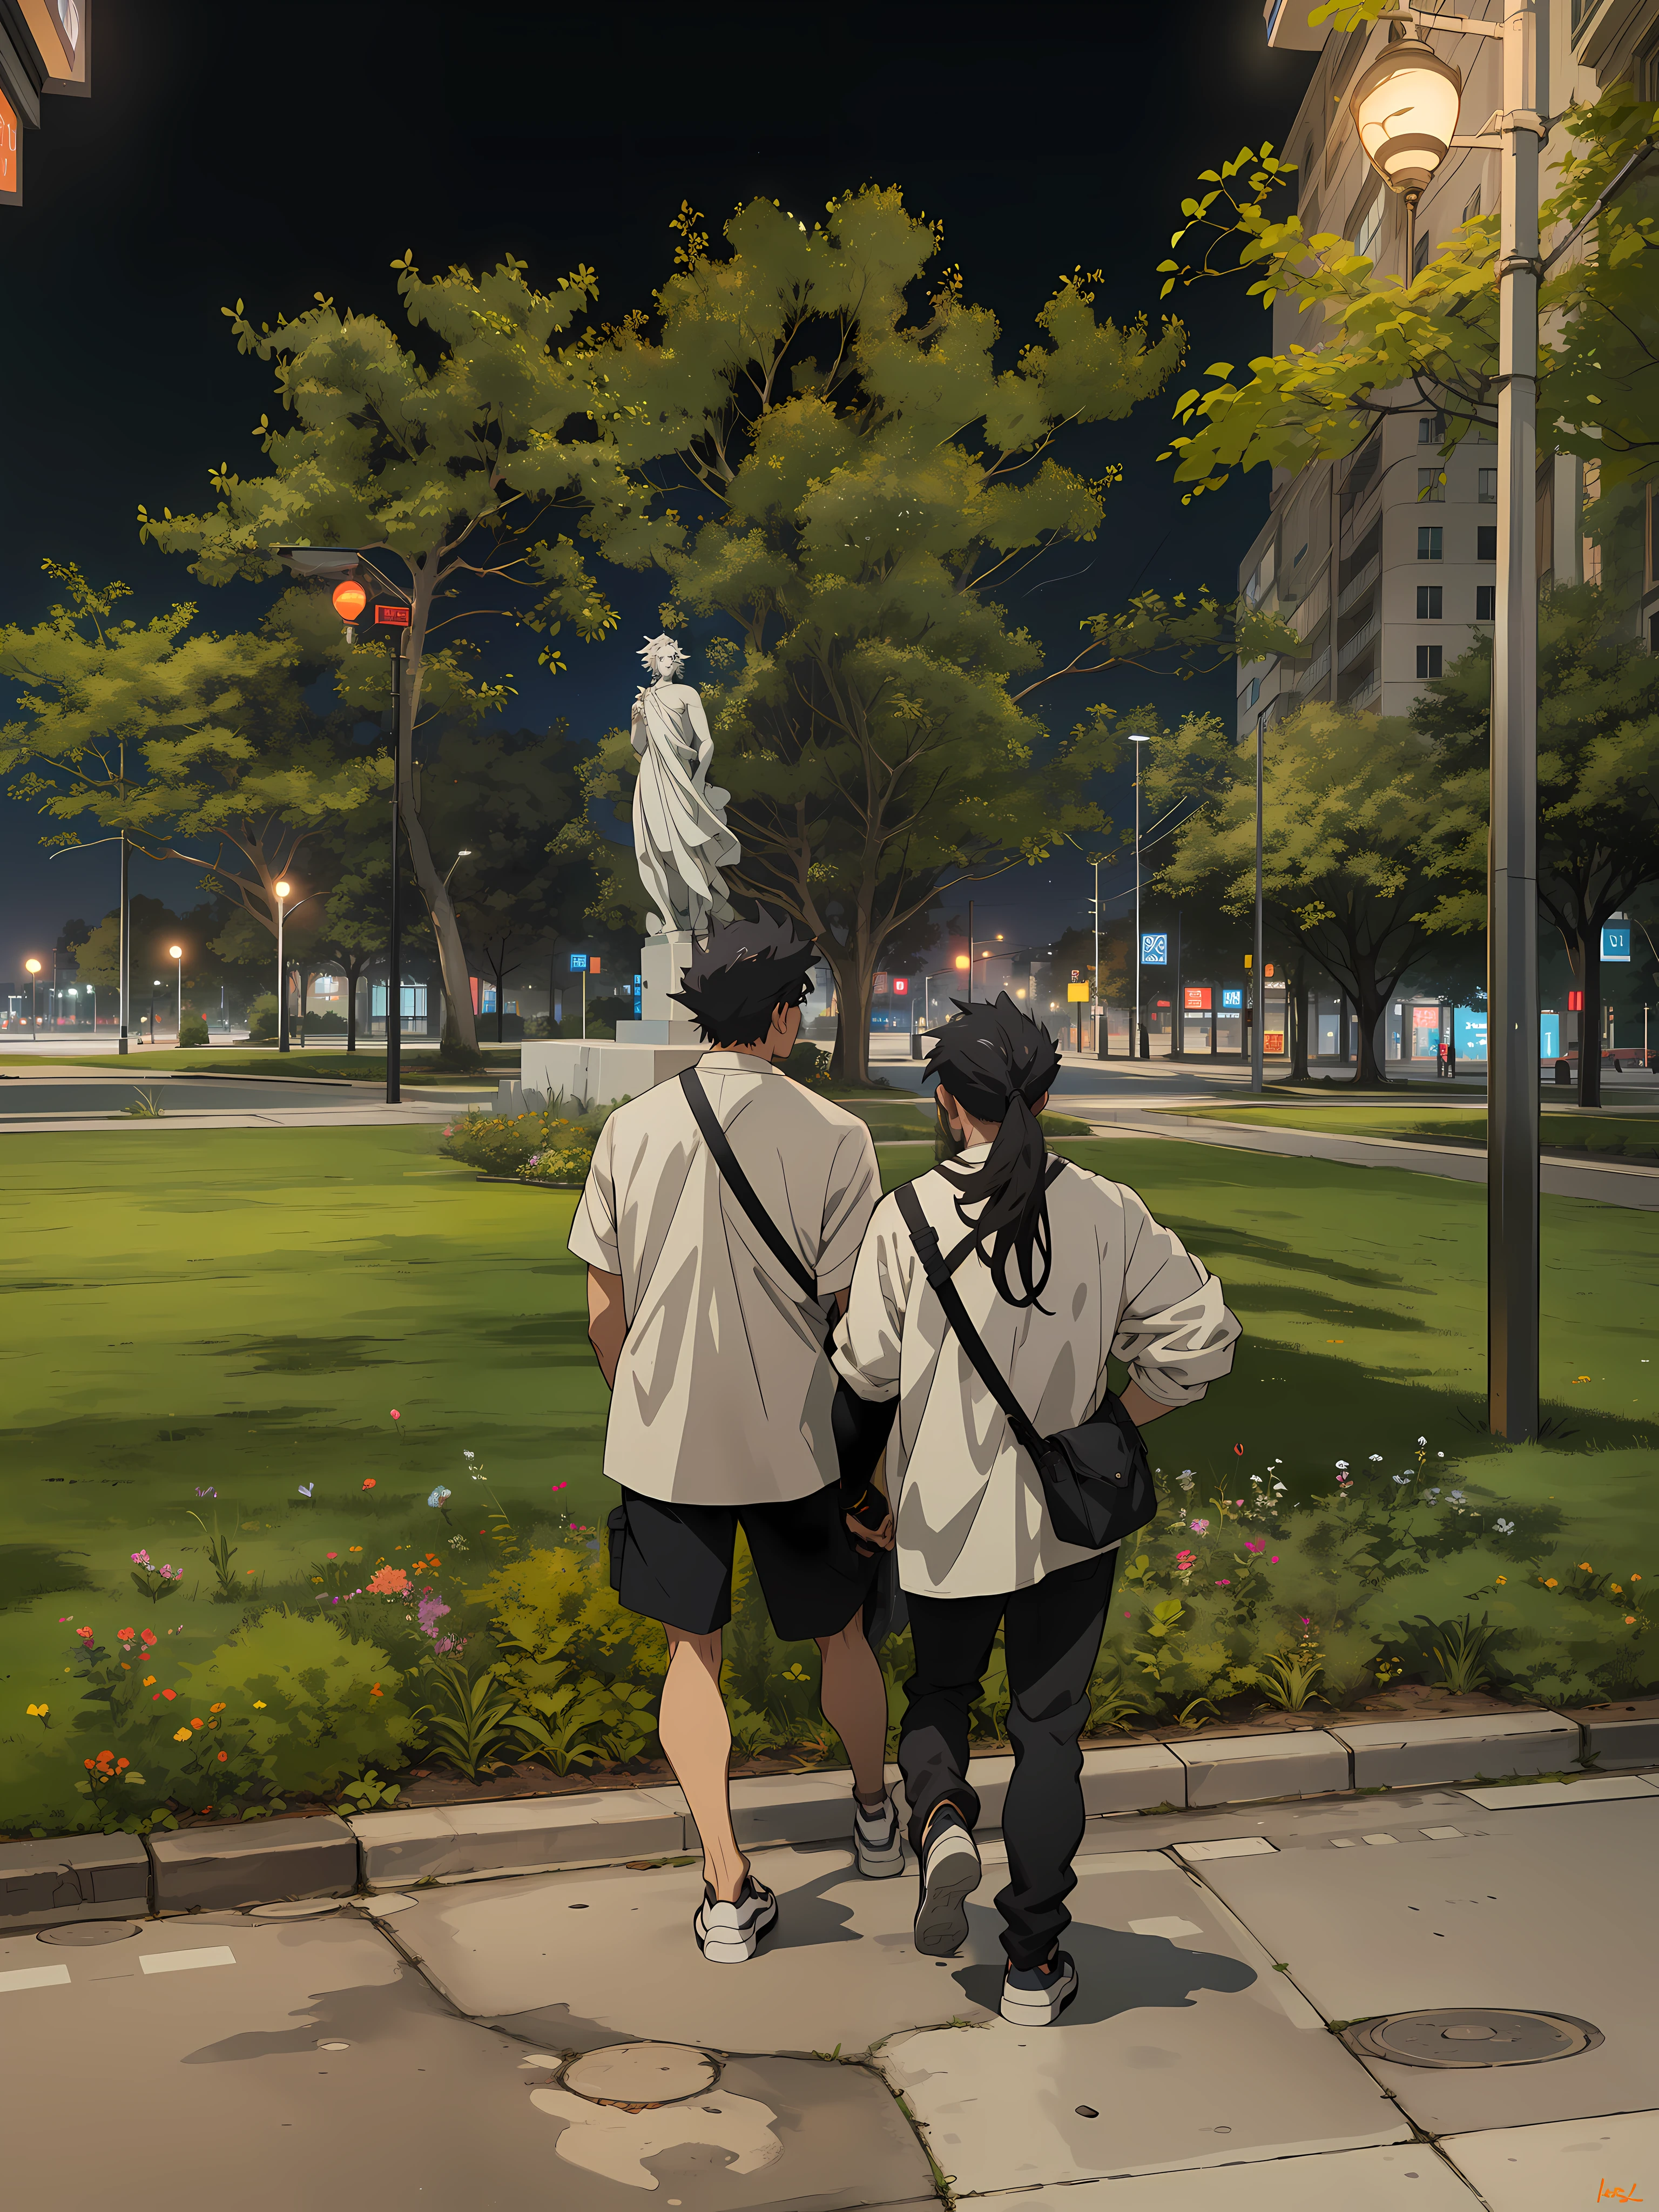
<point x="680" y="842"/>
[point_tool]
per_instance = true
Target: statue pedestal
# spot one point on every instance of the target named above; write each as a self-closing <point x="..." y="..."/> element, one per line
<point x="652" y="1050"/>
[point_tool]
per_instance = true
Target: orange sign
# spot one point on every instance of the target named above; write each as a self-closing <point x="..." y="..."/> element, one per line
<point x="11" y="189"/>
<point x="1196" y="998"/>
<point x="1273" y="1043"/>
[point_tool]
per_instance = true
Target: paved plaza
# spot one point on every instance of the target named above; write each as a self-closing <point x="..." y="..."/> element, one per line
<point x="555" y="2040"/>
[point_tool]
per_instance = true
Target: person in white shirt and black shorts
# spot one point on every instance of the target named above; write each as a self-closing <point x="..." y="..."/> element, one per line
<point x="720" y="1221"/>
<point x="1056" y="1270"/>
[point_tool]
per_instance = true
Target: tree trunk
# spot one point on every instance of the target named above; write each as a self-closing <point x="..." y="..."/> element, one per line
<point x="1369" y="1006"/>
<point x="1589" y="964"/>
<point x="353" y="971"/>
<point x="849" y="1061"/>
<point x="1299" y="1019"/>
<point x="435" y="892"/>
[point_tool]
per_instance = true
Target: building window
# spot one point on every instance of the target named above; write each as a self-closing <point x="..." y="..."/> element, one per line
<point x="1297" y="559"/>
<point x="1486" y="483"/>
<point x="1254" y="691"/>
<point x="1485" y="541"/>
<point x="1472" y="205"/>
<point x="1431" y="429"/>
<point x="1368" y="230"/>
<point x="1429" y="597"/>
<point x="1430" y="483"/>
<point x="1428" y="660"/>
<point x="1485" y="602"/>
<point x="1428" y="543"/>
<point x="1420" y="255"/>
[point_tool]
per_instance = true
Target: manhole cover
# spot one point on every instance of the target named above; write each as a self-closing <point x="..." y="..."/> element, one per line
<point x="80" y="1933"/>
<point x="640" y="2073"/>
<point x="1477" y="2036"/>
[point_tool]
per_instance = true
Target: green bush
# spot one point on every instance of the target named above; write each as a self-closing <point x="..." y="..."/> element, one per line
<point x="503" y="1143"/>
<point x="192" y="1030"/>
<point x="328" y="1023"/>
<point x="808" y="1063"/>
<point x="262" y="1019"/>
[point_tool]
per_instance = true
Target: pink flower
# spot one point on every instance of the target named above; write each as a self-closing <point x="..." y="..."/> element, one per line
<point x="1200" y="1528"/>
<point x="1255" y="1544"/>
<point x="396" y="1415"/>
<point x="1224" y="1581"/>
<point x="1274" y="1561"/>
<point x="1186" y="1561"/>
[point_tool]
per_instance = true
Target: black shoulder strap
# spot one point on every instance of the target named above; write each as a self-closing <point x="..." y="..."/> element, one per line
<point x="937" y="1269"/>
<point x="741" y="1188"/>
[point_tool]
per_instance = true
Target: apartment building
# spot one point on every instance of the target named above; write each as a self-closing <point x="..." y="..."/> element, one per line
<point x="1384" y="563"/>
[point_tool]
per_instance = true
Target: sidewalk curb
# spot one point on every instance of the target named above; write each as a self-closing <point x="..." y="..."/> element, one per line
<point x="51" y="1880"/>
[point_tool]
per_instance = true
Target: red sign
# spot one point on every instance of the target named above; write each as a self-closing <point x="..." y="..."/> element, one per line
<point x="1196" y="998"/>
<point x="901" y="985"/>
<point x="395" y="618"/>
<point x="1163" y="1002"/>
<point x="11" y="188"/>
<point x="1575" y="1002"/>
<point x="1273" y="1043"/>
<point x="879" y="984"/>
<point x="592" y="964"/>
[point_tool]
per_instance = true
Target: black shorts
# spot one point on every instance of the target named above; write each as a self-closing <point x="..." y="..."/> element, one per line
<point x="673" y="1563"/>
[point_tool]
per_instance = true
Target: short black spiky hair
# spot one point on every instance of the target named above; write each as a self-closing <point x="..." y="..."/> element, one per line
<point x="740" y="972"/>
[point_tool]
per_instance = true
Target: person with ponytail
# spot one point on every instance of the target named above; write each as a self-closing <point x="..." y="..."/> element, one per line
<point x="1058" y="1271"/>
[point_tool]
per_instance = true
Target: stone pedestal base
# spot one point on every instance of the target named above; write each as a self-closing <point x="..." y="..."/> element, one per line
<point x="594" y="1074"/>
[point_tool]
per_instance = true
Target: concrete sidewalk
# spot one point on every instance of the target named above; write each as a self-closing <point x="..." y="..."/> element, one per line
<point x="557" y="2037"/>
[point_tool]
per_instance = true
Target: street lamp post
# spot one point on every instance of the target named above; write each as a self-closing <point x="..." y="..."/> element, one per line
<point x="177" y="954"/>
<point x="340" y="565"/>
<point x="33" y="968"/>
<point x="281" y="889"/>
<point x="1259" y="996"/>
<point x="1406" y="109"/>
<point x="1138" y="1045"/>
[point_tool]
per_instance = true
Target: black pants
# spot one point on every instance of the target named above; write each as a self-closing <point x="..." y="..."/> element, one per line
<point x="1051" y="1635"/>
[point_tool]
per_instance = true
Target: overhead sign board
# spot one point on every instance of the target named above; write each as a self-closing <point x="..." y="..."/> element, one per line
<point x="1615" y="941"/>
<point x="1154" y="948"/>
<point x="1196" y="997"/>
<point x="901" y="986"/>
<point x="1078" y="993"/>
<point x="395" y="618"/>
<point x="1232" y="1002"/>
<point x="578" y="963"/>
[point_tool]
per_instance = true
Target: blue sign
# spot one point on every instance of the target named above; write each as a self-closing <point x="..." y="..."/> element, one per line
<point x="1549" y="1037"/>
<point x="1469" y="1031"/>
<point x="1232" y="1002"/>
<point x="1154" y="948"/>
<point x="639" y="993"/>
<point x="1615" y="941"/>
<point x="579" y="963"/>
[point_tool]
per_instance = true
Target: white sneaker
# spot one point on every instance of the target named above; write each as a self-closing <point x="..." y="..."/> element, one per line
<point x="729" y="1935"/>
<point x="949" y="1874"/>
<point x="876" y="1843"/>
<point x="1035" y="1997"/>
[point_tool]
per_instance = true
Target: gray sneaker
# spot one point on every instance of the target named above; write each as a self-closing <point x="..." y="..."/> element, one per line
<point x="876" y="1844"/>
<point x="950" y="1876"/>
<point x="1035" y="1997"/>
<point x="729" y="1935"/>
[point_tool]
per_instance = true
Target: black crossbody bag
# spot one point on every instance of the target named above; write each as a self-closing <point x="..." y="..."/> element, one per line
<point x="1096" y="1482"/>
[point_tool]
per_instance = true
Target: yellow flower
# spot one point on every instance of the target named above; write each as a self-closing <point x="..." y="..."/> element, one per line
<point x="1552" y="1584"/>
<point x="258" y="1704"/>
<point x="1584" y="1565"/>
<point x="181" y="1736"/>
<point x="1502" y="1578"/>
<point x="149" y="1678"/>
<point x="1614" y="1588"/>
<point x="39" y="1712"/>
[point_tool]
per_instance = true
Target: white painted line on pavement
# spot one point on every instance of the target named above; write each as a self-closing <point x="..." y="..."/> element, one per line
<point x="1226" y="1847"/>
<point x="34" y="1978"/>
<point x="1170" y="1926"/>
<point x="1343" y="1844"/>
<point x="178" y="1962"/>
<point x="1440" y="1835"/>
<point x="1381" y="1840"/>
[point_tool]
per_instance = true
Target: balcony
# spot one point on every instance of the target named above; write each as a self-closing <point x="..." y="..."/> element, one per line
<point x="1313" y="675"/>
<point x="1363" y="692"/>
<point x="1361" y="584"/>
<point x="1365" y="635"/>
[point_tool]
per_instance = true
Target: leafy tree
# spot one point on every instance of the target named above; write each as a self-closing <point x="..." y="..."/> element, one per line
<point x="445" y="458"/>
<point x="1598" y="786"/>
<point x="1380" y="345"/>
<point x="1345" y="879"/>
<point x="818" y="450"/>
<point x="204" y="748"/>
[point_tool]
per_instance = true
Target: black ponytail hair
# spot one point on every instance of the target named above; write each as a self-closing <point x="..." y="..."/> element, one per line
<point x="997" y="1062"/>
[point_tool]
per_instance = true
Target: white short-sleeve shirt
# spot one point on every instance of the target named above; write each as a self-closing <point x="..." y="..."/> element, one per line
<point x="969" y="1503"/>
<point x="723" y="1389"/>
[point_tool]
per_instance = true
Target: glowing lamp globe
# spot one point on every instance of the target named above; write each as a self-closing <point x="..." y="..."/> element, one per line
<point x="175" y="952"/>
<point x="33" y="966"/>
<point x="350" y="599"/>
<point x="1405" y="109"/>
<point x="283" y="889"/>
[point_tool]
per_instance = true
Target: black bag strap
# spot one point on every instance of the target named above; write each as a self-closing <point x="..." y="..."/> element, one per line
<point x="938" y="1271"/>
<point x="742" y="1189"/>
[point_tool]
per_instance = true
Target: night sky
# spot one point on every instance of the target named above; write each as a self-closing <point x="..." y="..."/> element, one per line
<point x="271" y="154"/>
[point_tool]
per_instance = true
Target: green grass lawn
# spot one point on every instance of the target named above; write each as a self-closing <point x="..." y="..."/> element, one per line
<point x="242" y="1308"/>
<point x="362" y="1066"/>
<point x="1630" y="1136"/>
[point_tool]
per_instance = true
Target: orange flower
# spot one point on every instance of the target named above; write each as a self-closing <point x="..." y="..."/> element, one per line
<point x="195" y="1724"/>
<point x="1584" y="1565"/>
<point x="1502" y="1578"/>
<point x="120" y="1763"/>
<point x="1552" y="1584"/>
<point x="1630" y="1620"/>
<point x="223" y="1755"/>
<point x="169" y="1695"/>
<point x="219" y="1708"/>
<point x="375" y="1692"/>
<point x="148" y="1680"/>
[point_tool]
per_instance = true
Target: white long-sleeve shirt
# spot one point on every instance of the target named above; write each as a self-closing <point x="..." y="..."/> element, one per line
<point x="969" y="1503"/>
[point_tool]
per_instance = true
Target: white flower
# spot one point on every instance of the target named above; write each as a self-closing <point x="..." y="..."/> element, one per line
<point x="1505" y="1528"/>
<point x="1422" y="1440"/>
<point x="1440" y="1454"/>
<point x="1376" y="1459"/>
<point x="1342" y="1467"/>
<point x="1278" y="1488"/>
<point x="467" y="1454"/>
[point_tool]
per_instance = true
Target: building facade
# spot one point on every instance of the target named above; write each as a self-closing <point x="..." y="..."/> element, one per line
<point x="1384" y="563"/>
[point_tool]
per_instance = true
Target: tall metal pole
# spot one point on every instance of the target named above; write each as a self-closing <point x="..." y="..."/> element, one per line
<point x="970" y="953"/>
<point x="394" y="966"/>
<point x="1137" y="1049"/>
<point x="1512" y="929"/>
<point x="1258" y="993"/>
<point x="281" y="981"/>
<point x="126" y="918"/>
<point x="1095" y="993"/>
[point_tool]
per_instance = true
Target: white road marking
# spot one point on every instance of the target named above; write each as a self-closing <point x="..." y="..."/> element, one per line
<point x="178" y="1962"/>
<point x="1226" y="1847"/>
<point x="34" y="1978"/>
<point x="1170" y="1927"/>
<point x="1381" y="1840"/>
<point x="1441" y="1835"/>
